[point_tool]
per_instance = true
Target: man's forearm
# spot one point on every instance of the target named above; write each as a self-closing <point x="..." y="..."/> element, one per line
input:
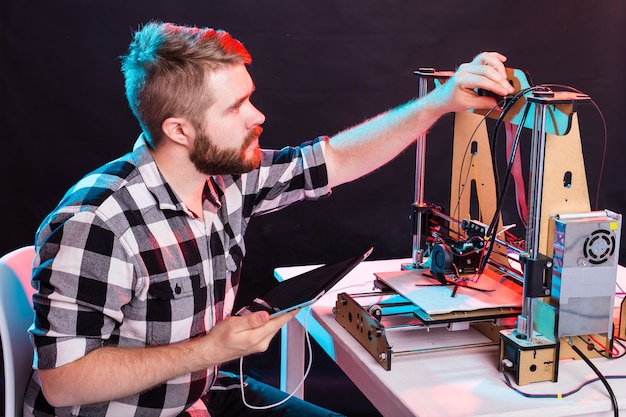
<point x="111" y="373"/>
<point x="360" y="150"/>
<point x="370" y="145"/>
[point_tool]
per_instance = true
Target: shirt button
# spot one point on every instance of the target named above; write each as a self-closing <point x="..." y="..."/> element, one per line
<point x="178" y="290"/>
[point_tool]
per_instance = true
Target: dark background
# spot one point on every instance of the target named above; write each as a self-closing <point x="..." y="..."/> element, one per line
<point x="319" y="67"/>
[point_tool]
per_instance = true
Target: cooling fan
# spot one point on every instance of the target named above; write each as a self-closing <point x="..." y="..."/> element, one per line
<point x="599" y="246"/>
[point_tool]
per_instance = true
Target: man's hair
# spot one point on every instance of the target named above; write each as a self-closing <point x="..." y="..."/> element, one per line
<point x="166" y="69"/>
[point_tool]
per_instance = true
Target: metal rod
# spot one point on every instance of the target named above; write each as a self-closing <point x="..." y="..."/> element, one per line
<point x="538" y="148"/>
<point x="443" y="348"/>
<point x="420" y="169"/>
<point x="536" y="181"/>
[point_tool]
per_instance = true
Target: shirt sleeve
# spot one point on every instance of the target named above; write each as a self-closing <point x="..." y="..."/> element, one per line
<point x="82" y="279"/>
<point x="286" y="176"/>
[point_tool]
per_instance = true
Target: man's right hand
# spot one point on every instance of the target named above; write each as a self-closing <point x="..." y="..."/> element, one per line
<point x="238" y="336"/>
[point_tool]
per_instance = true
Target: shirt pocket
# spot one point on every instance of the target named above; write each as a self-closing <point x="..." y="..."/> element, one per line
<point x="175" y="309"/>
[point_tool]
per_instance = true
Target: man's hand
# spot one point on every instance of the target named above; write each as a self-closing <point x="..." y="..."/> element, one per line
<point x="239" y="336"/>
<point x="486" y="71"/>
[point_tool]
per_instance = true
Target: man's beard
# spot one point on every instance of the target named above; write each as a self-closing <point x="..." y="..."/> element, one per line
<point x="211" y="160"/>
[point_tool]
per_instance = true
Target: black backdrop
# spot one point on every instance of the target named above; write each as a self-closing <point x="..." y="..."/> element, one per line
<point x="319" y="66"/>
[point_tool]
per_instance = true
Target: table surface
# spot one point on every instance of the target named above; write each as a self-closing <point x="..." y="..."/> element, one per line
<point x="452" y="383"/>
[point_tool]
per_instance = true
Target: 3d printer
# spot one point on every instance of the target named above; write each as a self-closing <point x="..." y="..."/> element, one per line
<point x="527" y="295"/>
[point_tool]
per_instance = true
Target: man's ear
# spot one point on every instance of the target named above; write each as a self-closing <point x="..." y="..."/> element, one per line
<point x="178" y="130"/>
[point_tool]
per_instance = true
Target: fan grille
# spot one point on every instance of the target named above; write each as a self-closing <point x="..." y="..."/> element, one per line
<point x="599" y="246"/>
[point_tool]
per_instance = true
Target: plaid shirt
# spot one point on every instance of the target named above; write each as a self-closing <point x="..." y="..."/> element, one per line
<point x="122" y="262"/>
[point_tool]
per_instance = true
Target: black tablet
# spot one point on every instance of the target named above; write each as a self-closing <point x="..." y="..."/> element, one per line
<point x="304" y="289"/>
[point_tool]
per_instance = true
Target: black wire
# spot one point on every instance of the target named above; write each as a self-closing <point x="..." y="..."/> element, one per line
<point x="492" y="231"/>
<point x="507" y="107"/>
<point x="557" y="396"/>
<point x="602" y="378"/>
<point x="505" y="111"/>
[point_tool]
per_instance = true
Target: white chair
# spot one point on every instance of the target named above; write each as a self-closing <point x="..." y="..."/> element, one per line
<point x="16" y="315"/>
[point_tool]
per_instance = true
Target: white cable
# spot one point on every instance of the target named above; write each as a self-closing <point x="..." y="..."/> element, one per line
<point x="505" y="228"/>
<point x="306" y="373"/>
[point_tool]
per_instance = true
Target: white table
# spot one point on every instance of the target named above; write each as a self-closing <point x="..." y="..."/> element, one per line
<point x="451" y="383"/>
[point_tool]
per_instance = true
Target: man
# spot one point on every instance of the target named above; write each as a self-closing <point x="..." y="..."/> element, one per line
<point x="138" y="266"/>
